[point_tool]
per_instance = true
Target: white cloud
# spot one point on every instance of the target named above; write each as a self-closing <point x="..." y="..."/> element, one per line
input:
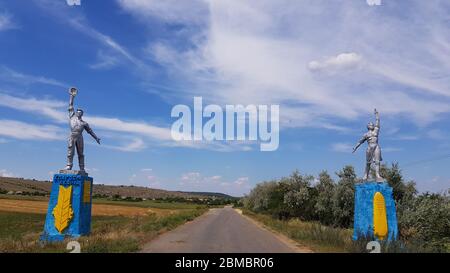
<point x="391" y="149"/>
<point x="27" y="131"/>
<point x="373" y="2"/>
<point x="6" y="22"/>
<point x="339" y="62"/>
<point x="5" y="173"/>
<point x="241" y="181"/>
<point x="436" y="134"/>
<point x="342" y="147"/>
<point x="195" y="181"/>
<point x="81" y="25"/>
<point x="191" y="177"/>
<point x="172" y="11"/>
<point x="405" y="137"/>
<point x="105" y="61"/>
<point x="261" y="52"/>
<point x="53" y="110"/>
<point x="7" y="74"/>
<point x="139" y="134"/>
<point x="136" y="145"/>
<point x="48" y="108"/>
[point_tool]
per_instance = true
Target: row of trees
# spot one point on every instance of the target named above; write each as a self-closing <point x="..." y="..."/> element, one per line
<point x="422" y="218"/>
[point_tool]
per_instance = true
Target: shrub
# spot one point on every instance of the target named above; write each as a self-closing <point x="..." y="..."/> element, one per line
<point x="343" y="198"/>
<point x="324" y="202"/>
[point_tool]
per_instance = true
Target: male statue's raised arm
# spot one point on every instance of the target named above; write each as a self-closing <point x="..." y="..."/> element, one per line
<point x="72" y="92"/>
<point x="377" y="121"/>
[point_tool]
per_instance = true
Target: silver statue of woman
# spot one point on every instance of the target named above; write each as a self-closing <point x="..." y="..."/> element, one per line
<point x="77" y="126"/>
<point x="373" y="152"/>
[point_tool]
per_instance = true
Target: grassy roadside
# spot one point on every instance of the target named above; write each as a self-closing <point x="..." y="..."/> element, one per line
<point x="19" y="232"/>
<point x="314" y="235"/>
<point x="320" y="238"/>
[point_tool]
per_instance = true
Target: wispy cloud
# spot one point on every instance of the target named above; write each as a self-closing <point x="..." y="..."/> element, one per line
<point x="341" y="61"/>
<point x="140" y="134"/>
<point x="27" y="131"/>
<point x="105" y="61"/>
<point x="342" y="147"/>
<point x="437" y="134"/>
<point x="47" y="108"/>
<point x="136" y="145"/>
<point x="172" y="11"/>
<point x="6" y="173"/>
<point x="10" y="75"/>
<point x="6" y="21"/>
<point x="273" y="52"/>
<point x="194" y="181"/>
<point x="392" y="149"/>
<point x="53" y="109"/>
<point x="405" y="137"/>
<point x="80" y="23"/>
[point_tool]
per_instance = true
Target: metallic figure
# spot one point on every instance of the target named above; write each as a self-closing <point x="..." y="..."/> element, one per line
<point x="373" y="152"/>
<point x="77" y="126"/>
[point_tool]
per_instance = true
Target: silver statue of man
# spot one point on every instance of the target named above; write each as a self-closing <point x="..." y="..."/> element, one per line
<point x="77" y="126"/>
<point x="373" y="152"/>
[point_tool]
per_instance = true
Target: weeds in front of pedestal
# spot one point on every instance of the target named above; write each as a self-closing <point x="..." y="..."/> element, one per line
<point x="109" y="233"/>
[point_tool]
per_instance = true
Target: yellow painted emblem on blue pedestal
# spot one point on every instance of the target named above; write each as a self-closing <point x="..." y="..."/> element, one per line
<point x="380" y="226"/>
<point x="63" y="211"/>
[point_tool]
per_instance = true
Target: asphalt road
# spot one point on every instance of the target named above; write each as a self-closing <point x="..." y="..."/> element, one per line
<point x="220" y="231"/>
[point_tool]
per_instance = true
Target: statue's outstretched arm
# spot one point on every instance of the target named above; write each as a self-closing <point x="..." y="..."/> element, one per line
<point x="91" y="132"/>
<point x="360" y="142"/>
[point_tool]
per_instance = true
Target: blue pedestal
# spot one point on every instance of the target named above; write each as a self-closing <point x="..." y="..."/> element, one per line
<point x="363" y="221"/>
<point x="69" y="208"/>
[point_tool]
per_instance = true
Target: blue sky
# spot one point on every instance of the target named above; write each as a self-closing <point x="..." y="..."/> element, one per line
<point x="326" y="63"/>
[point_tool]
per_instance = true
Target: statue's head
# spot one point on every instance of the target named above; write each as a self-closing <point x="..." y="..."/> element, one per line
<point x="79" y="113"/>
<point x="370" y="126"/>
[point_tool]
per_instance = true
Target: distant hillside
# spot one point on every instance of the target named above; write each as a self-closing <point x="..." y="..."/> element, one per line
<point x="211" y="194"/>
<point x="35" y="187"/>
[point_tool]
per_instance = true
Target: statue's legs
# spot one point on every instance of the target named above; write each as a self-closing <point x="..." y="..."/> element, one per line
<point x="366" y="172"/>
<point x="70" y="153"/>
<point x="369" y="160"/>
<point x="80" y="152"/>
<point x="377" y="159"/>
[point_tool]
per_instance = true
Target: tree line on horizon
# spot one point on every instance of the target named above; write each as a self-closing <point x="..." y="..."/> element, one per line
<point x="422" y="218"/>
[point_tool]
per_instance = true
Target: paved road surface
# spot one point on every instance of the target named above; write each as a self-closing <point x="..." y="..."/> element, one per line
<point x="218" y="231"/>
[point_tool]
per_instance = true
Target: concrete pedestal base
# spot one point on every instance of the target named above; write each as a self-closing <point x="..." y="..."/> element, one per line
<point x="69" y="208"/>
<point x="382" y="216"/>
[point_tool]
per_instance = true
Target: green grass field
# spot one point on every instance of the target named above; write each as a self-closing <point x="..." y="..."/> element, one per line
<point x="19" y="232"/>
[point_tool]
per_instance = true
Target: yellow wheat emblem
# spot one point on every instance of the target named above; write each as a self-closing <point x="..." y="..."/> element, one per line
<point x="63" y="210"/>
<point x="379" y="216"/>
